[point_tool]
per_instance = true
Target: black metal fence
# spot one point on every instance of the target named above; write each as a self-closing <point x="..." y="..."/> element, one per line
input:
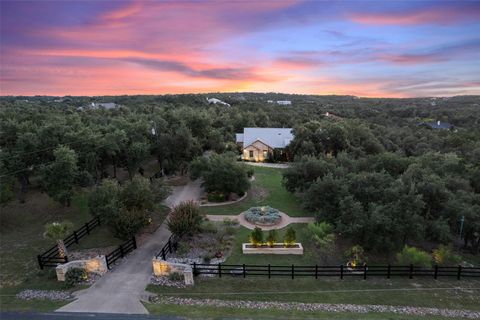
<point x="122" y="250"/>
<point x="341" y="271"/>
<point x="51" y="257"/>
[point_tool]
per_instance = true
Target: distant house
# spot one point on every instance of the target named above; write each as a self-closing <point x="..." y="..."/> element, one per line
<point x="104" y="105"/>
<point x="437" y="125"/>
<point x="332" y="116"/>
<point x="260" y="144"/>
<point x="284" y="102"/>
<point x="217" y="101"/>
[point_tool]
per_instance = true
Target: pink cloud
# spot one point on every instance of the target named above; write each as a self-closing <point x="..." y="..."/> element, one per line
<point x="439" y="15"/>
<point x="409" y="59"/>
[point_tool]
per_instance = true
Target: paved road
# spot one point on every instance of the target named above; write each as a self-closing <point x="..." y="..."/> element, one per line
<point x="79" y="316"/>
<point x="121" y="290"/>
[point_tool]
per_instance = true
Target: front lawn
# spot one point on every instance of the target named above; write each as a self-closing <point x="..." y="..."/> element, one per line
<point x="444" y="293"/>
<point x="22" y="237"/>
<point x="196" y="312"/>
<point x="266" y="190"/>
<point x="312" y="255"/>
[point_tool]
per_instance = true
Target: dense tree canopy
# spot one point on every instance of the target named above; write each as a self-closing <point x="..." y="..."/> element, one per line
<point x="367" y="167"/>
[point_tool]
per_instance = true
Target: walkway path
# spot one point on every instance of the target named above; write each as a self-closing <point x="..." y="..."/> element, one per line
<point x="285" y="221"/>
<point x="268" y="165"/>
<point x="120" y="291"/>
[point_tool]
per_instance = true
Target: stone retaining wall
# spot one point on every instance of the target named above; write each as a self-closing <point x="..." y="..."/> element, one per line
<point x="165" y="268"/>
<point x="95" y="265"/>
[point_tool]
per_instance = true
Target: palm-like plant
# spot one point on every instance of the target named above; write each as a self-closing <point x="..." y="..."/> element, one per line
<point x="322" y="233"/>
<point x="57" y="231"/>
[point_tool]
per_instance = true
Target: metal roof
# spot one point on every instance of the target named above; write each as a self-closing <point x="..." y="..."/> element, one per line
<point x="273" y="137"/>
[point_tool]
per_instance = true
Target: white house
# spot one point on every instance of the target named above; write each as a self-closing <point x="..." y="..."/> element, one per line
<point x="215" y="101"/>
<point x="258" y="144"/>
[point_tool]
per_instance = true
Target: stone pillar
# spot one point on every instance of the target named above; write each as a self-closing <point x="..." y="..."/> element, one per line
<point x="164" y="268"/>
<point x="188" y="277"/>
<point x="94" y="265"/>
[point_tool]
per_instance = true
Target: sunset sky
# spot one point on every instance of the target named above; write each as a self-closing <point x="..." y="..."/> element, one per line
<point x="382" y="48"/>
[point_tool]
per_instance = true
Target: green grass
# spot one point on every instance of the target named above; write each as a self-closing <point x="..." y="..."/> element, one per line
<point x="208" y="312"/>
<point x="311" y="256"/>
<point x="23" y="239"/>
<point x="443" y="293"/>
<point x="43" y="280"/>
<point x="278" y="197"/>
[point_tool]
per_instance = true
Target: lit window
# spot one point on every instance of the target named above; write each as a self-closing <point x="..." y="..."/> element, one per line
<point x="251" y="153"/>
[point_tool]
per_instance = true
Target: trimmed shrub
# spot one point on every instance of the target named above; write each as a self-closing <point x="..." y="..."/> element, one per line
<point x="290" y="237"/>
<point x="356" y="255"/>
<point x="263" y="215"/>
<point x="216" y="197"/>
<point x="185" y="218"/>
<point x="129" y="222"/>
<point x="321" y="233"/>
<point x="444" y="256"/>
<point x="74" y="276"/>
<point x="175" y="276"/>
<point x="414" y="256"/>
<point x="208" y="227"/>
<point x="230" y="222"/>
<point x="250" y="172"/>
<point x="272" y="238"/>
<point x="256" y="237"/>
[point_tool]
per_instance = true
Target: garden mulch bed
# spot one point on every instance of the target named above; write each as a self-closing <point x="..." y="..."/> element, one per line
<point x="213" y="243"/>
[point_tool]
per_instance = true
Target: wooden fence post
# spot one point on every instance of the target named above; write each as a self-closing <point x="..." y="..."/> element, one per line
<point x="219" y="270"/>
<point x="459" y="272"/>
<point x="169" y="246"/>
<point x="244" y="271"/>
<point x="293" y="271"/>
<point x="316" y="271"/>
<point x="388" y="271"/>
<point x="410" y="275"/>
<point x="40" y="263"/>
<point x="65" y="259"/>
<point x="134" y="243"/>
<point x="194" y="268"/>
<point x="163" y="254"/>
<point x="87" y="227"/>
<point x="121" y="251"/>
<point x="341" y="271"/>
<point x="269" y="271"/>
<point x="364" y="272"/>
<point x="75" y="236"/>
<point x="435" y="273"/>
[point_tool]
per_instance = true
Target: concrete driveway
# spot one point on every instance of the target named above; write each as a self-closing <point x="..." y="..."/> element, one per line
<point x="120" y="290"/>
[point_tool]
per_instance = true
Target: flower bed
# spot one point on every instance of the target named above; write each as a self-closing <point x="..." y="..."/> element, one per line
<point x="265" y="216"/>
